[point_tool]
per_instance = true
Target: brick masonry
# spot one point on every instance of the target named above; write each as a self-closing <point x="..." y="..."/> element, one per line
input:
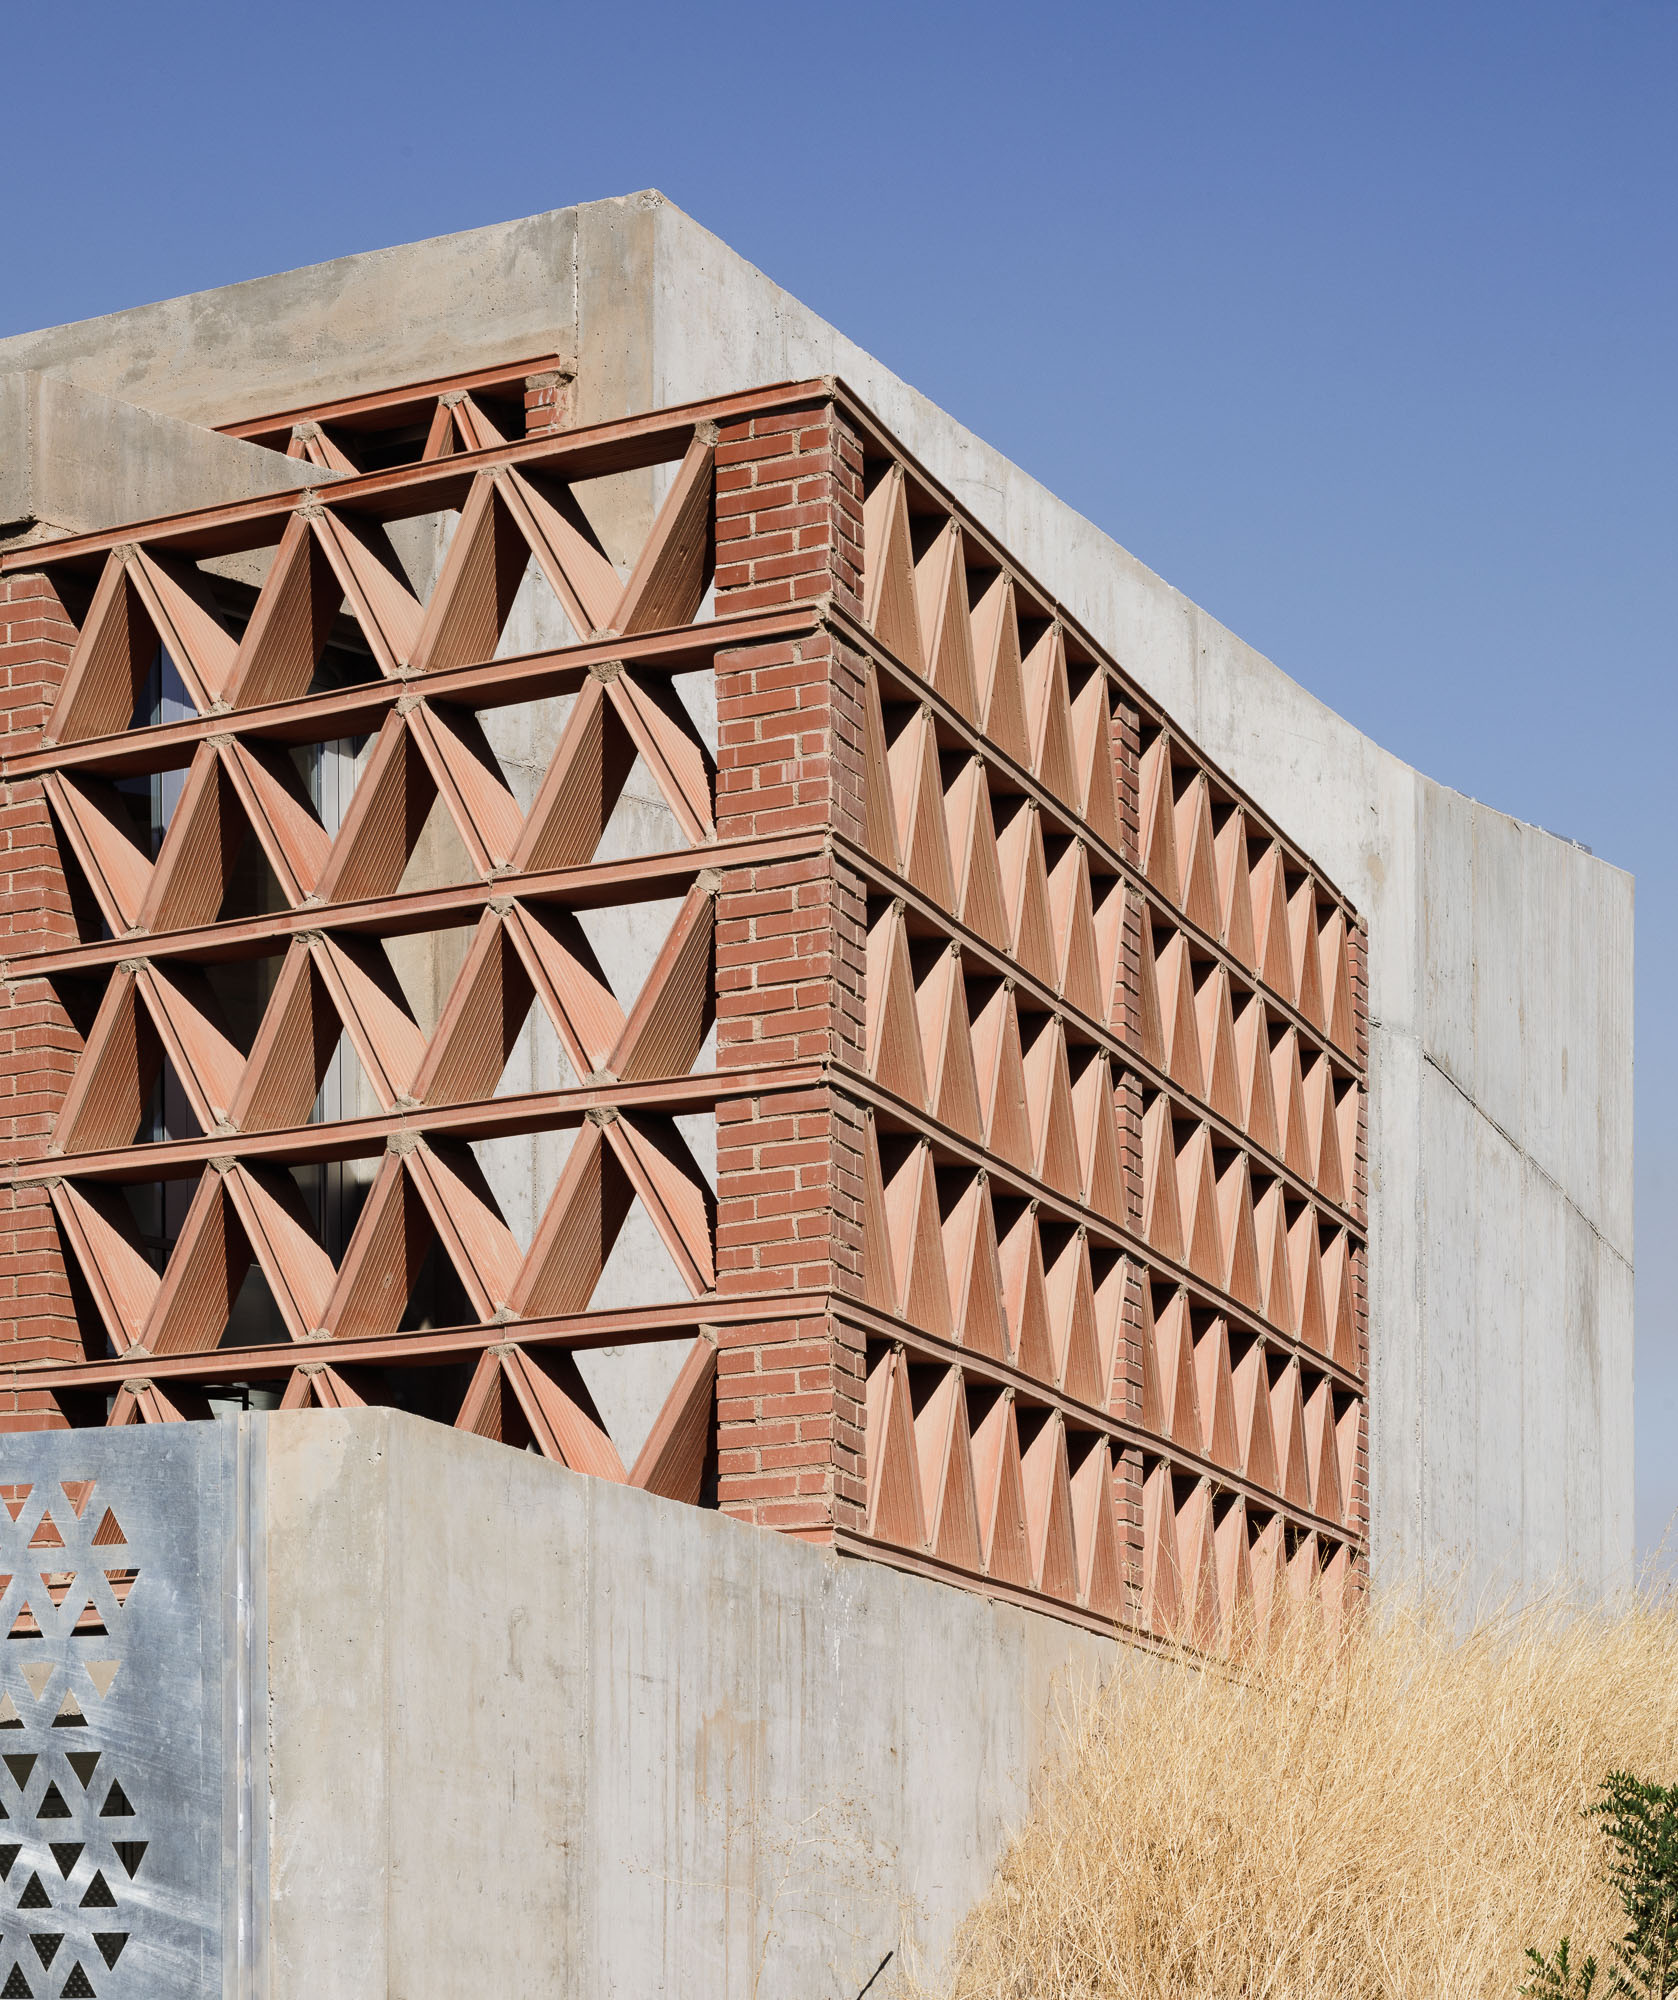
<point x="790" y="955"/>
<point x="549" y="401"/>
<point x="38" y="1041"/>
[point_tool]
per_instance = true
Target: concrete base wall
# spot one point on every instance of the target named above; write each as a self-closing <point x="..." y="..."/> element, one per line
<point x="400" y="1714"/>
<point x="1500" y="960"/>
<point x="552" y="1736"/>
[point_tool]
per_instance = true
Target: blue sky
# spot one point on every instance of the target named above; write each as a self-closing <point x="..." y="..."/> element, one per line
<point x="1356" y="323"/>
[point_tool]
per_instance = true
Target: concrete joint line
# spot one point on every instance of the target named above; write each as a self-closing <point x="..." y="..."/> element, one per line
<point x="1518" y="1150"/>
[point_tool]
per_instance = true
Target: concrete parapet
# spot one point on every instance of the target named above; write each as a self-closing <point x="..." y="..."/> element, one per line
<point x="73" y="459"/>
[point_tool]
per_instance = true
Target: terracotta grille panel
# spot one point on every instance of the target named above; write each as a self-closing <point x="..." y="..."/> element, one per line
<point x="1036" y="1246"/>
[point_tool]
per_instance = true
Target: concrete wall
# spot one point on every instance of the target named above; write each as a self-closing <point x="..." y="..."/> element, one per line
<point x="359" y="323"/>
<point x="72" y="458"/>
<point x="402" y="1714"/>
<point x="1500" y="968"/>
<point x="555" y="1737"/>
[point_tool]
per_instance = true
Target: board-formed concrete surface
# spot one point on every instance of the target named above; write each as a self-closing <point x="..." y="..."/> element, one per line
<point x="1500" y="961"/>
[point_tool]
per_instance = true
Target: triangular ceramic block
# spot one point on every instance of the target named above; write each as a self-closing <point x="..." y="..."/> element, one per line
<point x="1100" y="1556"/>
<point x="941" y="600"/>
<point x="1255" y="1433"/>
<point x="888" y="592"/>
<point x="1253" y="1071"/>
<point x="1216" y="1388"/>
<point x="1048" y="1093"/>
<point x="1072" y="1323"/>
<point x="1092" y="731"/>
<point x="1305" y="945"/>
<point x="996" y="1473"/>
<point x="1217" y="1042"/>
<point x="996" y="648"/>
<point x="1235" y="889"/>
<point x="893" y="1024"/>
<point x="1161" y="1566"/>
<point x="947" y="1047"/>
<point x="894" y="1485"/>
<point x="1162" y="1221"/>
<point x="979" y="900"/>
<point x="1025" y="883"/>
<point x="1195" y="856"/>
<point x="1049" y="718"/>
<point x="1046" y="1483"/>
<point x="1270" y="923"/>
<point x="972" y="1260"/>
<point x="1025" y="1290"/>
<point x="1197" y="1194"/>
<point x="1001" y="1071"/>
<point x="949" y="1501"/>
<point x="1159" y="822"/>
<point x="1178" y="1016"/>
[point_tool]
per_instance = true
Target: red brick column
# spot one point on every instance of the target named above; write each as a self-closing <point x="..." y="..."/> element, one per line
<point x="791" y="944"/>
<point x="1126" y="736"/>
<point x="1357" y="1501"/>
<point x="789" y="510"/>
<point x="38" y="1042"/>
<point x="548" y="401"/>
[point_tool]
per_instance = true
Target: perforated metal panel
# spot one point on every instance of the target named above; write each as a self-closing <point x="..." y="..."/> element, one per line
<point x="125" y="1694"/>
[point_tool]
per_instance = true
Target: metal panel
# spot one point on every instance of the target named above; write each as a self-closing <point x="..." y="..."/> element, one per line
<point x="141" y="1845"/>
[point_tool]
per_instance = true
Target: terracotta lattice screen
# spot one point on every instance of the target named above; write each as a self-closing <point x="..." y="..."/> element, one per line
<point x="550" y="895"/>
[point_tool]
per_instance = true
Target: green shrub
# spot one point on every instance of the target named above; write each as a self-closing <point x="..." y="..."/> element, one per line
<point x="1639" y="1822"/>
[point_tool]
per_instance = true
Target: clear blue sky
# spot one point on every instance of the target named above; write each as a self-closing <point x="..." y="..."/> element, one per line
<point x="1357" y="323"/>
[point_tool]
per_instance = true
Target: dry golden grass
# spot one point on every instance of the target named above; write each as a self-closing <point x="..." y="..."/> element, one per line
<point x="1392" y="1822"/>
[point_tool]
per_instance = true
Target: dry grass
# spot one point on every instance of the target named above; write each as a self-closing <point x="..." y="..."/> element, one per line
<point x="1393" y="1823"/>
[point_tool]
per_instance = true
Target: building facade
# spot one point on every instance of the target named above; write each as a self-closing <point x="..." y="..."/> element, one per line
<point x="587" y="871"/>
